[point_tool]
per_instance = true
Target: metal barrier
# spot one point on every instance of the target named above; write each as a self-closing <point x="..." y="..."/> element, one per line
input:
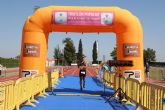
<point x="7" y="98"/>
<point x="133" y="90"/>
<point x="112" y="79"/>
<point x="2" y="96"/>
<point x="106" y="78"/>
<point x="147" y="96"/>
<point x="109" y="78"/>
<point x="22" y="91"/>
<point x="116" y="85"/>
<point x="152" y="96"/>
<point x="122" y="83"/>
<point x="55" y="77"/>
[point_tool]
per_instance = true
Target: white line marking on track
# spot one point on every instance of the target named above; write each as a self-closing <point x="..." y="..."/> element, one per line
<point x="74" y="72"/>
<point x="89" y="72"/>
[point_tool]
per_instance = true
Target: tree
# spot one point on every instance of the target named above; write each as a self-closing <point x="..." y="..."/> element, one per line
<point x="94" y="55"/>
<point x="58" y="54"/>
<point x="36" y="8"/>
<point x="80" y="52"/>
<point x="69" y="51"/>
<point x="113" y="54"/>
<point x="149" y="55"/>
<point x="9" y="62"/>
<point x="17" y="57"/>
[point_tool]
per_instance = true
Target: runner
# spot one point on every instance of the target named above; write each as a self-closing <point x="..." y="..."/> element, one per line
<point x="82" y="74"/>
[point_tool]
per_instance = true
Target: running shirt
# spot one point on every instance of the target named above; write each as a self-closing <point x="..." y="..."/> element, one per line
<point x="82" y="72"/>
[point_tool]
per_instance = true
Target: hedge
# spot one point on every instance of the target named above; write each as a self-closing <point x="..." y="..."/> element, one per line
<point x="159" y="64"/>
<point x="9" y="62"/>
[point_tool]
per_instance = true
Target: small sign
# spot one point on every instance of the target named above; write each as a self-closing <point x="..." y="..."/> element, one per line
<point x="31" y="50"/>
<point x="128" y="74"/>
<point x="120" y="63"/>
<point x="26" y="73"/>
<point x="163" y="101"/>
<point x="131" y="49"/>
<point x="100" y="18"/>
<point x="135" y="74"/>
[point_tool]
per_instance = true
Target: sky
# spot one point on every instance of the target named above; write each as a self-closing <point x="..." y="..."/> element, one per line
<point x="13" y="14"/>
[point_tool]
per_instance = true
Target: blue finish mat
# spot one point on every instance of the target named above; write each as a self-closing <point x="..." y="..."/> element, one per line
<point x="70" y="85"/>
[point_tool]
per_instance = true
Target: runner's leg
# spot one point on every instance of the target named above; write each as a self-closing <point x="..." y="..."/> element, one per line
<point x="83" y="81"/>
<point x="81" y="78"/>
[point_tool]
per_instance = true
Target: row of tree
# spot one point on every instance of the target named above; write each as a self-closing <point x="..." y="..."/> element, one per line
<point x="9" y="62"/>
<point x="69" y="55"/>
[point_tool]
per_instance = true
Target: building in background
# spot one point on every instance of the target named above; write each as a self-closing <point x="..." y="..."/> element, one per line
<point x="50" y="62"/>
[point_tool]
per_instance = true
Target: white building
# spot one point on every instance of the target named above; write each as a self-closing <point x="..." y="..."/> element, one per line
<point x="50" y="62"/>
<point x="2" y="70"/>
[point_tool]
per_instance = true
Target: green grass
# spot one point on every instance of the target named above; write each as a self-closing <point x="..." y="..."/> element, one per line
<point x="157" y="73"/>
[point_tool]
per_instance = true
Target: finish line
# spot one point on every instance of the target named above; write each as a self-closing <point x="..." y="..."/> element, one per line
<point x="77" y="95"/>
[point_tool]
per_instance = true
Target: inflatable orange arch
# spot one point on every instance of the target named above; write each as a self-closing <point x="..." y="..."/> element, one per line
<point x="129" y="35"/>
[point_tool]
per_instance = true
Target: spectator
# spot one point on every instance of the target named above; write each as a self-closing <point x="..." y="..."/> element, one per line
<point x="147" y="70"/>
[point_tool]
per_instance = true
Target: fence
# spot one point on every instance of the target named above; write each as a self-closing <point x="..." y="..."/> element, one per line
<point x="9" y="74"/>
<point x="153" y="95"/>
<point x="147" y="96"/>
<point x="22" y="91"/>
<point x="109" y="79"/>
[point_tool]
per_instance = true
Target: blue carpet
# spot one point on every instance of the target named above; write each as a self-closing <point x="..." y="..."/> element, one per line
<point x="70" y="85"/>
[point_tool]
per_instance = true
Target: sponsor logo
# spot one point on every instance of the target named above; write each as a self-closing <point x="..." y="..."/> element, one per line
<point x="61" y="17"/>
<point x="135" y="74"/>
<point x="31" y="50"/>
<point x="83" y="18"/>
<point x="131" y="49"/>
<point x="106" y="18"/>
<point x="26" y="73"/>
